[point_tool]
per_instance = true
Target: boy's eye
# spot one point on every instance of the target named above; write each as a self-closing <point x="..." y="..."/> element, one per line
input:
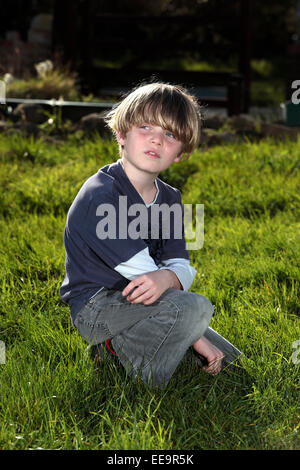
<point x="170" y="134"/>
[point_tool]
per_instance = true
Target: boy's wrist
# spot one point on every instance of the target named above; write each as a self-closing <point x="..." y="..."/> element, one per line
<point x="174" y="281"/>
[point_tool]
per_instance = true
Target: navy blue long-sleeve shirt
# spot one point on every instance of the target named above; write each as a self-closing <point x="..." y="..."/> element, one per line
<point x="109" y="240"/>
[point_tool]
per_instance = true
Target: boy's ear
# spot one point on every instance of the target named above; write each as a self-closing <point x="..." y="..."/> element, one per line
<point x="177" y="159"/>
<point x="180" y="157"/>
<point x="120" y="138"/>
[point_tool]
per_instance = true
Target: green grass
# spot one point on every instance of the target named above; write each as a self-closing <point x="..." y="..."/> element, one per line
<point x="52" y="397"/>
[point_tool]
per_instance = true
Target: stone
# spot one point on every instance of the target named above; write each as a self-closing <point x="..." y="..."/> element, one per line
<point x="214" y="122"/>
<point x="211" y="137"/>
<point x="242" y="123"/>
<point x="27" y="128"/>
<point x="92" y="123"/>
<point x="279" y="131"/>
<point x="4" y="126"/>
<point x="30" y="113"/>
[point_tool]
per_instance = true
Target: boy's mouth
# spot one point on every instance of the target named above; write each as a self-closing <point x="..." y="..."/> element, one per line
<point x="152" y="154"/>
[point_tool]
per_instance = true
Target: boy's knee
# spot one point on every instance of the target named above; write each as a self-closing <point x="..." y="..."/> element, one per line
<point x="199" y="305"/>
<point x="192" y="311"/>
<point x="198" y="315"/>
<point x="205" y="305"/>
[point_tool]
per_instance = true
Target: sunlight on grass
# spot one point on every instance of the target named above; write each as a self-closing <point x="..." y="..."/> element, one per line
<point x="52" y="396"/>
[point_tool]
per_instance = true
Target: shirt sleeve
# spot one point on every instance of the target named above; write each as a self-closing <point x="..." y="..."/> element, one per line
<point x="175" y="246"/>
<point x="142" y="263"/>
<point x="103" y="235"/>
<point x="183" y="270"/>
<point x="139" y="264"/>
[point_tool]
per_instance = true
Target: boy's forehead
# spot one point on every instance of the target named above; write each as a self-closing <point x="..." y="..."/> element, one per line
<point x="166" y="124"/>
<point x="165" y="127"/>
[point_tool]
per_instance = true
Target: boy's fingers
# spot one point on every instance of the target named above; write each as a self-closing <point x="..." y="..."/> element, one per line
<point x="132" y="285"/>
<point x="140" y="294"/>
<point x="137" y="293"/>
<point x="145" y="296"/>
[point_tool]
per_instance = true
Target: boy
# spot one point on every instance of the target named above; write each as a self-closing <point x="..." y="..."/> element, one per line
<point x="125" y="281"/>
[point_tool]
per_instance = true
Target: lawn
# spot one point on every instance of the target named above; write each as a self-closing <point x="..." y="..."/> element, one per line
<point x="52" y="396"/>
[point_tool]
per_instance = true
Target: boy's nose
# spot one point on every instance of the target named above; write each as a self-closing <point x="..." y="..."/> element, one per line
<point x="157" y="137"/>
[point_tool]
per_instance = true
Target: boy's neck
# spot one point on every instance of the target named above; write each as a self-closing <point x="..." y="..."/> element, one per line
<point x="144" y="183"/>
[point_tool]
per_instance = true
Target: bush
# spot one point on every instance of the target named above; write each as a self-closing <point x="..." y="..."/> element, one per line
<point x="53" y="85"/>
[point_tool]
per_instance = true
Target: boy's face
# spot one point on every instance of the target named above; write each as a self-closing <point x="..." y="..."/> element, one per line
<point x="150" y="148"/>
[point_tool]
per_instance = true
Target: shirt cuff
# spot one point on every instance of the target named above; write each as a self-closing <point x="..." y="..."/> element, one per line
<point x="139" y="264"/>
<point x="183" y="270"/>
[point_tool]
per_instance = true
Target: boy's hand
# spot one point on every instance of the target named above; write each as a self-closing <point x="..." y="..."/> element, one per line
<point x="150" y="286"/>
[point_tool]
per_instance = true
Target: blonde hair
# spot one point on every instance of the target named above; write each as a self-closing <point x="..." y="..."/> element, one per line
<point x="169" y="106"/>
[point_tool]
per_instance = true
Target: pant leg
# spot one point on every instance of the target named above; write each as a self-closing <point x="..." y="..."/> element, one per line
<point x="150" y="340"/>
<point x="154" y="346"/>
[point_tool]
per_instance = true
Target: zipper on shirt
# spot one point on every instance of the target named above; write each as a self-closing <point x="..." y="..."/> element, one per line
<point x="101" y="288"/>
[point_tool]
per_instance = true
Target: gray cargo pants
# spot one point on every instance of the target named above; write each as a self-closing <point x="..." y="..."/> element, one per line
<point x="150" y="340"/>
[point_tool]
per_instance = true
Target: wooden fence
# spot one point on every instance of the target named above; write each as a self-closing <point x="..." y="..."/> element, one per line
<point x="97" y="36"/>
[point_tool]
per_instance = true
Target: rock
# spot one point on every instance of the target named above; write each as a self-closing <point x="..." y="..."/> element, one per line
<point x="206" y="136"/>
<point x="225" y="137"/>
<point x="211" y="137"/>
<point x="33" y="113"/>
<point x="27" y="128"/>
<point x="214" y="122"/>
<point x="4" y="126"/>
<point x="242" y="123"/>
<point x="279" y="131"/>
<point x="93" y="123"/>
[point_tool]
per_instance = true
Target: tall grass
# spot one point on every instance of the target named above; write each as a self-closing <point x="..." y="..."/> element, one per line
<point x="51" y="395"/>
